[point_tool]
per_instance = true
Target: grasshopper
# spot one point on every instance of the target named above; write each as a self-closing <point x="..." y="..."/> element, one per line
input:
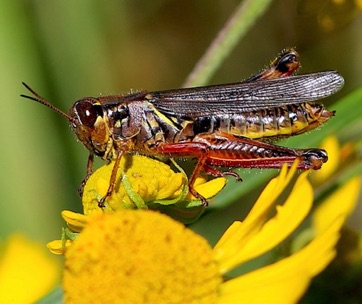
<point x="226" y="125"/>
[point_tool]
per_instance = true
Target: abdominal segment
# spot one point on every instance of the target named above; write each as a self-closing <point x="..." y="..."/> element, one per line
<point x="272" y="122"/>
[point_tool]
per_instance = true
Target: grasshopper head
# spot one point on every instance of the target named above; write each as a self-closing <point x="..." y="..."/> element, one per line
<point x="90" y="125"/>
<point x="88" y="121"/>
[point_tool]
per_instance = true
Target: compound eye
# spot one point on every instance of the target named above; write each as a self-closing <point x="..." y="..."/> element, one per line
<point x="88" y="112"/>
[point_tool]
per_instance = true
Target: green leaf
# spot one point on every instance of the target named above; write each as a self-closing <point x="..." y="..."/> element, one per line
<point x="55" y="297"/>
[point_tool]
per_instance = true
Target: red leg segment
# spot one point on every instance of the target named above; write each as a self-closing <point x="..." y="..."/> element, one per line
<point x="226" y="150"/>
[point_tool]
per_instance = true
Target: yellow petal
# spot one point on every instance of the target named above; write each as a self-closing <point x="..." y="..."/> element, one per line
<point x="331" y="145"/>
<point x="260" y="209"/>
<point x="210" y="188"/>
<point x="75" y="221"/>
<point x="58" y="246"/>
<point x="340" y="202"/>
<point x="27" y="271"/>
<point x="288" y="217"/>
<point x="271" y="192"/>
<point x="284" y="281"/>
<point x="253" y="237"/>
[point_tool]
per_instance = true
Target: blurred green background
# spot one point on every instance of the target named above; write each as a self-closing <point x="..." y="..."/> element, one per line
<point x="66" y="50"/>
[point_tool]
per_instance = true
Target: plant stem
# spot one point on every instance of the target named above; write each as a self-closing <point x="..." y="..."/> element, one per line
<point x="238" y="24"/>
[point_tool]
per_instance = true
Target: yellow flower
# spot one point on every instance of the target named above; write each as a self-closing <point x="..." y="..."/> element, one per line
<point x="146" y="257"/>
<point x="145" y="183"/>
<point x="129" y="257"/>
<point x="27" y="272"/>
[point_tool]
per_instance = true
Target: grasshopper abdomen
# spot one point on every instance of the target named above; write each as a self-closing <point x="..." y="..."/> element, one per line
<point x="261" y="124"/>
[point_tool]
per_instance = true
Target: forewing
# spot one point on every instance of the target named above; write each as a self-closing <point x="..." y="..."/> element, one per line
<point x="247" y="96"/>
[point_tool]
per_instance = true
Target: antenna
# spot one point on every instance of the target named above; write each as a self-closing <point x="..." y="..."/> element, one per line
<point x="43" y="101"/>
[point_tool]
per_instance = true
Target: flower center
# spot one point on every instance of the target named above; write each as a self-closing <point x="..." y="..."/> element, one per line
<point x="139" y="257"/>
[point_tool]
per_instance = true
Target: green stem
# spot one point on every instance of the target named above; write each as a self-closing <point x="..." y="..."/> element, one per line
<point x="239" y="23"/>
